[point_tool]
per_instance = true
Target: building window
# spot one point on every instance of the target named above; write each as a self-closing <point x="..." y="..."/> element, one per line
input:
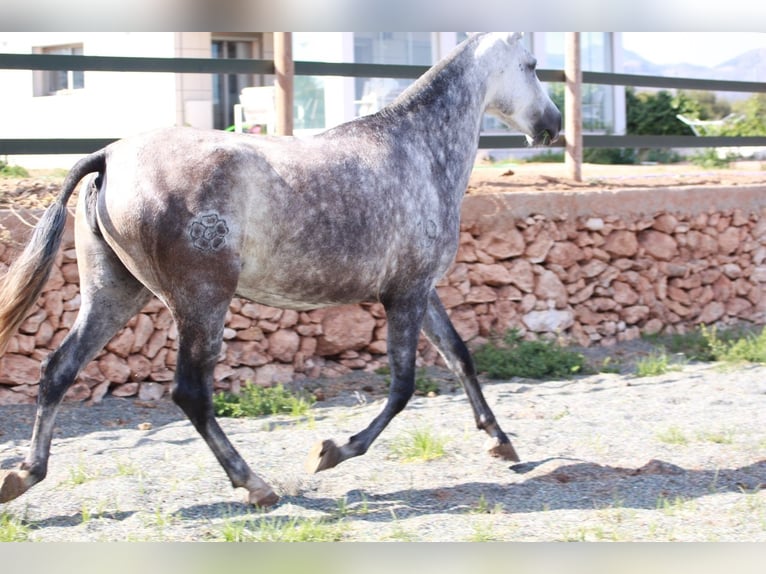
<point x="227" y="87"/>
<point x="408" y="48"/>
<point x="49" y="83"/>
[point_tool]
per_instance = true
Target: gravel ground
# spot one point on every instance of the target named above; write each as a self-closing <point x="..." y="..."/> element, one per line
<point x="681" y="456"/>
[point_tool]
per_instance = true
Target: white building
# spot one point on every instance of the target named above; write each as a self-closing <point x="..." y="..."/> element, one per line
<point x="41" y="104"/>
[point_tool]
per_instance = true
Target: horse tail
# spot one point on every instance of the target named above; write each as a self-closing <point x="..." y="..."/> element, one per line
<point x="26" y="277"/>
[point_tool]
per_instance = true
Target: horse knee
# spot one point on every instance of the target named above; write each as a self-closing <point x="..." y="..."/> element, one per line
<point x="190" y="398"/>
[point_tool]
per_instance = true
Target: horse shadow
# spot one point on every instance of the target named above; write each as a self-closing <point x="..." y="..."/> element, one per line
<point x="578" y="486"/>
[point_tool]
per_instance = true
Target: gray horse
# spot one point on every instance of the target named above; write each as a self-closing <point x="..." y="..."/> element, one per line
<point x="366" y="211"/>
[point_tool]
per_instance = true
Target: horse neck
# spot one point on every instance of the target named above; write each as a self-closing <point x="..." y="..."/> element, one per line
<point x="443" y="112"/>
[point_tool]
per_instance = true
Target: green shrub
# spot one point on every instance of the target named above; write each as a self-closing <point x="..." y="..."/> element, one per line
<point x="709" y="158"/>
<point x="546" y="157"/>
<point x="653" y="365"/>
<point x="749" y="348"/>
<point x="424" y="385"/>
<point x="12" y="529"/>
<point x="12" y="170"/>
<point x="515" y="357"/>
<point x="255" y="400"/>
<point x="617" y="156"/>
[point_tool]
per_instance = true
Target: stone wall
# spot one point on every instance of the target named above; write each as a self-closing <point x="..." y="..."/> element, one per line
<point x="593" y="267"/>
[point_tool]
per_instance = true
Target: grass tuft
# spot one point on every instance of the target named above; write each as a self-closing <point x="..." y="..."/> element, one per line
<point x="419" y="445"/>
<point x="12" y="529"/>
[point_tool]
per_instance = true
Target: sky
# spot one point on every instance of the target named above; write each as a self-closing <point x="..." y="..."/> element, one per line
<point x="699" y="48"/>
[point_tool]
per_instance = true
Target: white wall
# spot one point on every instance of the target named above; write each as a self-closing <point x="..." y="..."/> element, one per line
<point x="112" y="104"/>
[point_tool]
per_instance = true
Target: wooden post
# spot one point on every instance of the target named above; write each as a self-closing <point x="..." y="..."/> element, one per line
<point x="283" y="82"/>
<point x="573" y="106"/>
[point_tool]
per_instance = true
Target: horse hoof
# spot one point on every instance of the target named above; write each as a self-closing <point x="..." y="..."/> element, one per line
<point x="323" y="455"/>
<point x="261" y="499"/>
<point x="503" y="450"/>
<point x="14" y="484"/>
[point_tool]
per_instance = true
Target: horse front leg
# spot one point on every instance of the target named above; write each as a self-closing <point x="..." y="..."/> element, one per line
<point x="441" y="332"/>
<point x="404" y="323"/>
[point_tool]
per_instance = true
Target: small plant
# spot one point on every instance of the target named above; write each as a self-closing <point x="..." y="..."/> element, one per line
<point x="282" y="529"/>
<point x="482" y="507"/>
<point x="127" y="469"/>
<point x="721" y="437"/>
<point x="420" y="445"/>
<point x="652" y="365"/>
<point x="609" y="366"/>
<point x="482" y="533"/>
<point x="673" y="435"/>
<point x="671" y="507"/>
<point x="12" y="529"/>
<point x="693" y="345"/>
<point x="515" y="357"/>
<point x="424" y="385"/>
<point x="256" y="401"/>
<point x="746" y="348"/>
<point x="546" y="157"/>
<point x="709" y="158"/>
<point x="79" y="474"/>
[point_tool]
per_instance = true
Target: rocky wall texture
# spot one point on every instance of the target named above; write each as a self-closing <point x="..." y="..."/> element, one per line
<point x="592" y="268"/>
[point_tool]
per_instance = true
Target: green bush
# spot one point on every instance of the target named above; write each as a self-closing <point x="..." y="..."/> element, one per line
<point x="709" y="158"/>
<point x="750" y="348"/>
<point x="255" y="400"/>
<point x="546" y="157"/>
<point x="617" y="156"/>
<point x="12" y="170"/>
<point x="515" y="357"/>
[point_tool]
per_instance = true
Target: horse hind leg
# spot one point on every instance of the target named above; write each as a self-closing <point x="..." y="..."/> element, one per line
<point x="110" y="295"/>
<point x="440" y="331"/>
<point x="199" y="343"/>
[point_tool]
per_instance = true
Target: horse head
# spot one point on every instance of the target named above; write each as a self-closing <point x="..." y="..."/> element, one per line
<point x="515" y="94"/>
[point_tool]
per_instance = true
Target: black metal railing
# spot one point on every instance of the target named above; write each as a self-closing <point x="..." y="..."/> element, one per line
<point x="18" y="146"/>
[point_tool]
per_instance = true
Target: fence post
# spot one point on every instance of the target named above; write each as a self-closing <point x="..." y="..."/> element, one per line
<point x="284" y="69"/>
<point x="573" y="106"/>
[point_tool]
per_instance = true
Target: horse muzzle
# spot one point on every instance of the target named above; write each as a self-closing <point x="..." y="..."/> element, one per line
<point x="547" y="128"/>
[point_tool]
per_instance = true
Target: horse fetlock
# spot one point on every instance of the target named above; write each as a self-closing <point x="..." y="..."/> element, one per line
<point x="14" y="483"/>
<point x="322" y="456"/>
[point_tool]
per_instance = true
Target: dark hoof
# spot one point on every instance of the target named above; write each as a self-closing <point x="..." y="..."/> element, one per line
<point x="13" y="484"/>
<point x="504" y="450"/>
<point x="262" y="499"/>
<point x="323" y="455"/>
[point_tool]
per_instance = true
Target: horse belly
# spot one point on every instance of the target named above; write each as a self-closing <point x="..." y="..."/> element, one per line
<point x="304" y="287"/>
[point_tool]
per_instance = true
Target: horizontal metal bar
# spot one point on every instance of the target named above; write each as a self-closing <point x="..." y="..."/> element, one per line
<point x="52" y="146"/>
<point x="613" y="79"/>
<point x="358" y="70"/>
<point x="247" y="66"/>
<point x="672" y="141"/>
<point x="630" y="141"/>
<point x="128" y="64"/>
<point x="489" y="141"/>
